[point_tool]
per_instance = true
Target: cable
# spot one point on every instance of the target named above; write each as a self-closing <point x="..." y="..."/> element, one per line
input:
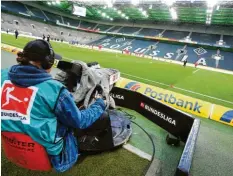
<point x="153" y="147"/>
<point x="132" y="117"/>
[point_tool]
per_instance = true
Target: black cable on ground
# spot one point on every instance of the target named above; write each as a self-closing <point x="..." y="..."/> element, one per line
<point x="132" y="117"/>
<point x="153" y="147"/>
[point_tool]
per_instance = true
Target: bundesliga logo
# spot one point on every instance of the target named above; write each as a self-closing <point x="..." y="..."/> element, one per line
<point x="157" y="113"/>
<point x="17" y="102"/>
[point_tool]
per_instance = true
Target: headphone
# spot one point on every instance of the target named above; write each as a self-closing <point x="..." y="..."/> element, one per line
<point x="49" y="59"/>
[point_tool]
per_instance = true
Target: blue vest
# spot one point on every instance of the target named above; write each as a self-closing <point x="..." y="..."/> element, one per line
<point x="31" y="111"/>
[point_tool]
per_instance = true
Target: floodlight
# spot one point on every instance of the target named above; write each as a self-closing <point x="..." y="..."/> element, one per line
<point x="126" y="18"/>
<point x="169" y="2"/>
<point x="111" y="19"/>
<point x="123" y="15"/>
<point x="103" y="14"/>
<point x="218" y="7"/>
<point x="57" y="1"/>
<point x="119" y="12"/>
<point x="110" y="4"/>
<point x="141" y="9"/>
<point x="173" y="13"/>
<point x="53" y="2"/>
<point x="211" y="3"/>
<point x="209" y="10"/>
<point x="49" y="3"/>
<point x="144" y="13"/>
<point x="135" y="2"/>
<point x="150" y="7"/>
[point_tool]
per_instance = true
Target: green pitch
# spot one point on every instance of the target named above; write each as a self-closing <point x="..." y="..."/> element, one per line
<point x="218" y="86"/>
<point x="213" y="154"/>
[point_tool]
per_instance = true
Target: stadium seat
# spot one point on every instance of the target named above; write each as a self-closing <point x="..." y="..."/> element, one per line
<point x="205" y="38"/>
<point x="53" y="17"/>
<point x="36" y="12"/>
<point x="115" y="29"/>
<point x="102" y="27"/>
<point x="175" y="34"/>
<point x="150" y="32"/>
<point x="72" y="22"/>
<point x="128" y="30"/>
<point x="13" y="6"/>
<point x="87" y="25"/>
<point x="24" y="152"/>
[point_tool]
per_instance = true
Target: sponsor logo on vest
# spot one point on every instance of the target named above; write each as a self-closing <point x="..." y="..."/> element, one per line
<point x="16" y="102"/>
<point x="22" y="145"/>
<point x="158" y="113"/>
<point x="120" y="97"/>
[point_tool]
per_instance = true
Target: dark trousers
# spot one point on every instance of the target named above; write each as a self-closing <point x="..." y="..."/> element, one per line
<point x="97" y="137"/>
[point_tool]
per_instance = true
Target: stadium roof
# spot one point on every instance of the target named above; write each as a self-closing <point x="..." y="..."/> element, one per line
<point x="186" y="11"/>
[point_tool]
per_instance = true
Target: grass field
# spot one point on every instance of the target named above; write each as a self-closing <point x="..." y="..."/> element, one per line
<point x="213" y="84"/>
<point x="213" y="154"/>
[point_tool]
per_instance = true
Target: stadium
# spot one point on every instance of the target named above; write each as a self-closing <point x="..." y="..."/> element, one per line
<point x="175" y="61"/>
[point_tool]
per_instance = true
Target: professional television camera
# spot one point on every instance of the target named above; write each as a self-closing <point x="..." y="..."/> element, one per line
<point x="86" y="82"/>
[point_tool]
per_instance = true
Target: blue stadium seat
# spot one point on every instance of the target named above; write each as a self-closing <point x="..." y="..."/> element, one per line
<point x="205" y="38"/>
<point x="37" y="12"/>
<point x="87" y="25"/>
<point x="228" y="39"/>
<point x="71" y="21"/>
<point x="227" y="62"/>
<point x="175" y="34"/>
<point x="141" y="46"/>
<point x="52" y="17"/>
<point x="150" y="32"/>
<point x="13" y="6"/>
<point x="114" y="28"/>
<point x="170" y="51"/>
<point x="103" y="27"/>
<point x="128" y="30"/>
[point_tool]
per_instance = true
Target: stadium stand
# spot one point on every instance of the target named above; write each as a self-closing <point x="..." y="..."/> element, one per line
<point x="38" y="29"/>
<point x="70" y="21"/>
<point x="175" y="34"/>
<point x="129" y="30"/>
<point x="228" y="39"/>
<point x="53" y="17"/>
<point x="208" y="57"/>
<point x="87" y="25"/>
<point x="150" y="32"/>
<point x="13" y="6"/>
<point x="205" y="38"/>
<point x="36" y="12"/>
<point x="115" y="29"/>
<point x="102" y="27"/>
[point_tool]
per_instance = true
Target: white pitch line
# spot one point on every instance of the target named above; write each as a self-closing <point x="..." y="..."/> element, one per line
<point x="178" y="88"/>
<point x="173" y="87"/>
<point x="137" y="151"/>
<point x="145" y="79"/>
<point x="196" y="71"/>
